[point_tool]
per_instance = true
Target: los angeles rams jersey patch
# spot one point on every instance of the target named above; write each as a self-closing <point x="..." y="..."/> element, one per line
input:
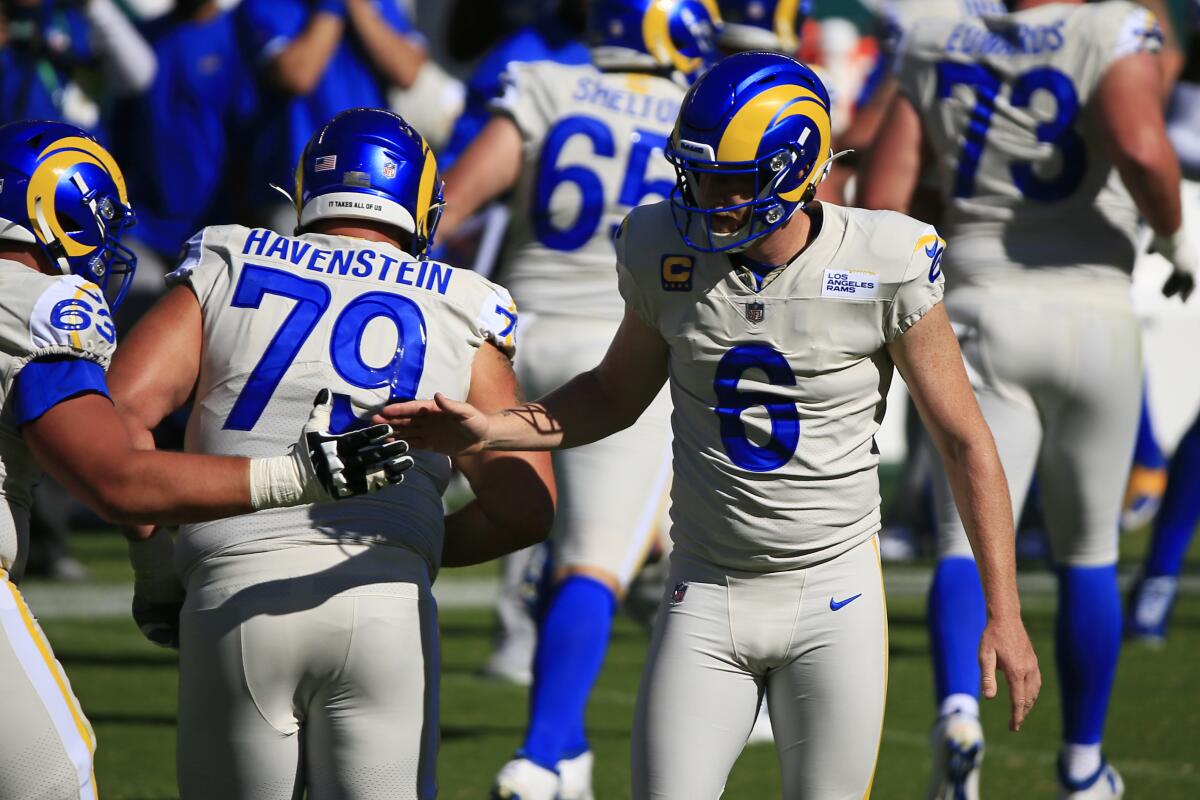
<point x="854" y="284"/>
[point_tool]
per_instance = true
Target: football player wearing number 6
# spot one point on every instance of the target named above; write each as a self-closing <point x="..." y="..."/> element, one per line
<point x="308" y="638"/>
<point x="63" y="210"/>
<point x="579" y="146"/>
<point x="1047" y="129"/>
<point x="776" y="321"/>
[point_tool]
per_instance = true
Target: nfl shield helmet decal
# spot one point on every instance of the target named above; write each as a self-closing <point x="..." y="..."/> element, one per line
<point x="389" y="170"/>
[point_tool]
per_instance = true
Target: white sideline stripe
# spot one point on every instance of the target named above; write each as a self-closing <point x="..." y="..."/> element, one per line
<point x="59" y="601"/>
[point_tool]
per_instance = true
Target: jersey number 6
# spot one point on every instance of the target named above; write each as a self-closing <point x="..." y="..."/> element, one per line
<point x="785" y="418"/>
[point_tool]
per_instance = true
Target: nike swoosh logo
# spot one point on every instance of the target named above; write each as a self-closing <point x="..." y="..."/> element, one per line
<point x="834" y="605"/>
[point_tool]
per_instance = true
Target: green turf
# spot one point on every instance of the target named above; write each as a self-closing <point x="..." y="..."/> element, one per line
<point x="127" y="688"/>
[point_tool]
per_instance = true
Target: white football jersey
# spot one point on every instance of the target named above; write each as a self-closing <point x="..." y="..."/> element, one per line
<point x="593" y="149"/>
<point x="40" y="316"/>
<point x="287" y="316"/>
<point x="898" y="17"/>
<point x="778" y="392"/>
<point x="1006" y="105"/>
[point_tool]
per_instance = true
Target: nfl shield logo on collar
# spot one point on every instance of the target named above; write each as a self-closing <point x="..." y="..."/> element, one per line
<point x="755" y="312"/>
<point x="677" y="595"/>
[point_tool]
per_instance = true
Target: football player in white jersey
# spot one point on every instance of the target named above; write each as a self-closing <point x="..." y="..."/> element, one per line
<point x="1046" y="126"/>
<point x="308" y="637"/>
<point x="63" y="208"/>
<point x="579" y="146"/>
<point x="777" y="322"/>
<point x="775" y="25"/>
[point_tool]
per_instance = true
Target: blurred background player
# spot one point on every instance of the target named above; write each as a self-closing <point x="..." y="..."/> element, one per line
<point x="578" y="146"/>
<point x="1044" y="123"/>
<point x="314" y="59"/>
<point x="907" y="519"/>
<point x="64" y="60"/>
<point x="63" y="210"/>
<point x="184" y="127"/>
<point x="1175" y="521"/>
<point x="775" y="25"/>
<point x="476" y="241"/>
<point x="308" y="638"/>
<point x="776" y="578"/>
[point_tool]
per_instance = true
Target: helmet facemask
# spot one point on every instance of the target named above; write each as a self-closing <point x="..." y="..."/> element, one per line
<point x="769" y="175"/>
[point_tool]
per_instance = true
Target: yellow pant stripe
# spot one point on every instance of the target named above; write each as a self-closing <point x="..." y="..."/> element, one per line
<point x="883" y="593"/>
<point x="43" y="647"/>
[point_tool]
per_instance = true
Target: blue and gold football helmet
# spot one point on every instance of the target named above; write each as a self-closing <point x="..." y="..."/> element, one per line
<point x="367" y="163"/>
<point x="60" y="189"/>
<point x="761" y="115"/>
<point x="763" y="25"/>
<point x="676" y="35"/>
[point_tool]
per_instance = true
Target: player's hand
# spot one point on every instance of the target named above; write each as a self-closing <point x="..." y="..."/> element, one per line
<point x="1185" y="263"/>
<point x="328" y="466"/>
<point x="1005" y="646"/>
<point x="1180" y="283"/>
<point x="158" y="593"/>
<point x="158" y="622"/>
<point x="441" y="424"/>
<point x="350" y="463"/>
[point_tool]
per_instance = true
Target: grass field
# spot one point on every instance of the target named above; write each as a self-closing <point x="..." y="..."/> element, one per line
<point x="127" y="688"/>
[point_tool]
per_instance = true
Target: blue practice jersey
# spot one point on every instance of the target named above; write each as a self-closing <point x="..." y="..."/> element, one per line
<point x="287" y="121"/>
<point x="179" y="132"/>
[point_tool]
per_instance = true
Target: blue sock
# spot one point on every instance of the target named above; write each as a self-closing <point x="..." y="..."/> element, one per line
<point x="572" y="641"/>
<point x="957" y="615"/>
<point x="1087" y="643"/>
<point x="1180" y="512"/>
<point x="1146" y="451"/>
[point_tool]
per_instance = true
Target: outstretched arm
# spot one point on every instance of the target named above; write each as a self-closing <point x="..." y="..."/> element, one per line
<point x="91" y="447"/>
<point x="514" y="492"/>
<point x="929" y="360"/>
<point x="589" y="407"/>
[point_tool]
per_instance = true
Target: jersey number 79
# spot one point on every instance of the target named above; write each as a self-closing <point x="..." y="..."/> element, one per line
<point x="402" y="373"/>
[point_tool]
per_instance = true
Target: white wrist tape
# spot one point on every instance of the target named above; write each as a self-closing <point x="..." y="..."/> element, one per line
<point x="278" y="482"/>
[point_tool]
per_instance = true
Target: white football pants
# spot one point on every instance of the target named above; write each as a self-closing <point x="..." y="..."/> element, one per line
<point x="313" y="668"/>
<point x="46" y="743"/>
<point x="813" y="639"/>
<point x="1056" y="363"/>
